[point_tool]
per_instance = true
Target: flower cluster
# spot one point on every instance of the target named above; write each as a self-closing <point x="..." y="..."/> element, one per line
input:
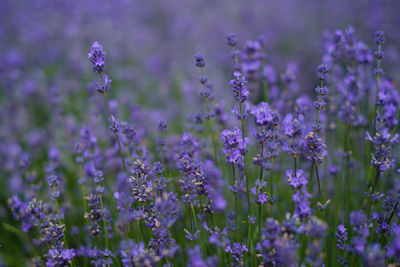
<point x="126" y="181"/>
<point x="234" y="146"/>
<point x="383" y="142"/>
<point x="97" y="57"/>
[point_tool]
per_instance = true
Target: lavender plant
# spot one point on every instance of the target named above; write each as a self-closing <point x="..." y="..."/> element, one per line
<point x="127" y="181"/>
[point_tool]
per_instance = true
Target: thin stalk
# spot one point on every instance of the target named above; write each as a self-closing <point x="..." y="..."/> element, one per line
<point x="83" y="191"/>
<point x="191" y="220"/>
<point x="392" y="213"/>
<point x="319" y="111"/>
<point x="210" y="124"/>
<point x="212" y="133"/>
<point x="259" y="222"/>
<point x="261" y="167"/>
<point x="236" y="218"/>
<point x="249" y="231"/>
<point x="266" y="89"/>
<point x="104" y="223"/>
<point x="310" y="182"/>
<point x="378" y="172"/>
<point x="244" y="159"/>
<point x="329" y="99"/>
<point x="140" y="230"/>
<point x="271" y="174"/>
<point x="111" y="120"/>
<point x="198" y="228"/>
<point x="378" y="76"/>
<point x="236" y="207"/>
<point x="346" y="165"/>
<point x="60" y="222"/>
<point x="319" y="185"/>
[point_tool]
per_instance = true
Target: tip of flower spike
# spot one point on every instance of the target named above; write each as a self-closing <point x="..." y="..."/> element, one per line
<point x="237" y="74"/>
<point x="231" y="40"/>
<point x="200" y="60"/>
<point x="379" y="37"/>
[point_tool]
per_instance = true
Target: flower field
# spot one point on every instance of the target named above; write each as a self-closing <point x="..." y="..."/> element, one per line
<point x="199" y="133"/>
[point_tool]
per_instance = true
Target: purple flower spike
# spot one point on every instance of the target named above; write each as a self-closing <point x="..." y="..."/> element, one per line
<point x="97" y="57"/>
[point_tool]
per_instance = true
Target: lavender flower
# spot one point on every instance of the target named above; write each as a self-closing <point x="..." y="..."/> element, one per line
<point x="233" y="144"/>
<point x="341" y="237"/>
<point x="379" y="38"/>
<point x="95" y="213"/>
<point x="315" y="148"/>
<point x="239" y="87"/>
<point x="276" y="246"/>
<point x="162" y="126"/>
<point x="53" y="182"/>
<point x="360" y="227"/>
<point x="374" y="256"/>
<point x="263" y="114"/>
<point x="195" y="259"/>
<point x="322" y="71"/>
<point x="56" y="257"/>
<point x="97" y="57"/>
<point x="394" y="246"/>
<point x="316" y="230"/>
<point x="100" y="257"/>
<point x="262" y="199"/>
<point x="167" y="209"/>
<point x="137" y="255"/>
<point x="104" y="86"/>
<point x="292" y="126"/>
<point x="383" y="142"/>
<point x="231" y="40"/>
<point x="237" y="250"/>
<point x="303" y="210"/>
<point x="298" y="180"/>
<point x="200" y="61"/>
<point x="162" y="243"/>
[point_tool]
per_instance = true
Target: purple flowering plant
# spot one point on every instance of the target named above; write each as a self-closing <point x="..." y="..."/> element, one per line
<point x="130" y="151"/>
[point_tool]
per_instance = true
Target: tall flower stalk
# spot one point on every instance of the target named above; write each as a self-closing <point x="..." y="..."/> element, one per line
<point x="241" y="93"/>
<point x="206" y="91"/>
<point x="316" y="148"/>
<point x="97" y="58"/>
<point x="381" y="158"/>
<point x="380" y="41"/>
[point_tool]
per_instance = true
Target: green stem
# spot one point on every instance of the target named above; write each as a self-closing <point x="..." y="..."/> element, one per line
<point x="194" y="216"/>
<point x="259" y="222"/>
<point x="236" y="218"/>
<point x="104" y="223"/>
<point x="378" y="172"/>
<point x="392" y="213"/>
<point x="212" y="134"/>
<point x="378" y="76"/>
<point x="203" y="248"/>
<point x="83" y="191"/>
<point x="319" y="185"/>
<point x="250" y="237"/>
<point x="271" y="174"/>
<point x="310" y="182"/>
<point x="60" y="221"/>
<point x="244" y="159"/>
<point x="266" y="89"/>
<point x="319" y="111"/>
<point x="111" y="121"/>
